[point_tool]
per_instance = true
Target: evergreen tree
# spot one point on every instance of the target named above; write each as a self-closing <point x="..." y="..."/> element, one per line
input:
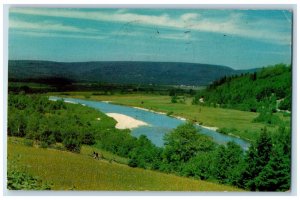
<point x="257" y="158"/>
<point x="220" y="170"/>
<point x="276" y="176"/>
<point x="227" y="163"/>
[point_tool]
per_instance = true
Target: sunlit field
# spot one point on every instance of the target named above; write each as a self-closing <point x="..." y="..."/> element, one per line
<point x="71" y="171"/>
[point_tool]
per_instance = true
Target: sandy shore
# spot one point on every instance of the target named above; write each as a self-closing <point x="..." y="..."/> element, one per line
<point x="66" y="101"/>
<point x="124" y="121"/>
<point x="210" y="128"/>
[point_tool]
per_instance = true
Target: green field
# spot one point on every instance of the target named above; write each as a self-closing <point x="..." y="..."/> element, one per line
<point x="239" y="121"/>
<point x="71" y="171"/>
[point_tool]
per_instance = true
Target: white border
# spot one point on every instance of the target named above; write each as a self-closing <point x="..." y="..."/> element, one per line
<point x="158" y="4"/>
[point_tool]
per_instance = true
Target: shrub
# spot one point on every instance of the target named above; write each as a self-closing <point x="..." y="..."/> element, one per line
<point x="88" y="138"/>
<point x="133" y="162"/>
<point x="267" y="117"/>
<point x="170" y="113"/>
<point x="72" y="142"/>
<point x="17" y="180"/>
<point x="174" y="99"/>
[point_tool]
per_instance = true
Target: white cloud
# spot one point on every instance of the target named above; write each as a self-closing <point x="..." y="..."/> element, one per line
<point x="50" y="29"/>
<point x="47" y="26"/>
<point x="189" y="16"/>
<point x="232" y="24"/>
<point x="43" y="34"/>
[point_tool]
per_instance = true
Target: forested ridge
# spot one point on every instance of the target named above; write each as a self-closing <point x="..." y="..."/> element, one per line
<point x="267" y="89"/>
<point x="119" y="72"/>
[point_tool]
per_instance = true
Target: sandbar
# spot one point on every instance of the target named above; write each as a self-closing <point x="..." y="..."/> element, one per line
<point x="126" y="122"/>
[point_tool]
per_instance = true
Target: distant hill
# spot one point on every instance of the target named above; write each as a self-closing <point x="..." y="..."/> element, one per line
<point x="120" y="72"/>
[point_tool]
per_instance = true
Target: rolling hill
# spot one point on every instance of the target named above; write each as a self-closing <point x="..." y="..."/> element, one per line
<point x="120" y="72"/>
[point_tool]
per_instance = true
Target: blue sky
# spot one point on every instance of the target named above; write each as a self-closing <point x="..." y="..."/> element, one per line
<point x="239" y="39"/>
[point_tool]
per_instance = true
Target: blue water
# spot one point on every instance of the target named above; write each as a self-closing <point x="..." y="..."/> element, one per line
<point x="159" y="124"/>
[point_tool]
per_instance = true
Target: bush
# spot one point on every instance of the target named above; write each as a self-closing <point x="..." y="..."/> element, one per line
<point x="47" y="138"/>
<point x="170" y="113"/>
<point x="133" y="162"/>
<point x="174" y="99"/>
<point x="17" y="180"/>
<point x="88" y="138"/>
<point x="72" y="142"/>
<point x="268" y="118"/>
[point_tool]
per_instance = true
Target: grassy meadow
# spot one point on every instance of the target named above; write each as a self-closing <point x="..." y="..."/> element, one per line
<point x="71" y="171"/>
<point x="239" y="122"/>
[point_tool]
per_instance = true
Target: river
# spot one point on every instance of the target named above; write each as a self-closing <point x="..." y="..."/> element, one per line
<point x="160" y="124"/>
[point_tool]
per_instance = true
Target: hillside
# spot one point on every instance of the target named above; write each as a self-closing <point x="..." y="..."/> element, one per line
<point x="66" y="171"/>
<point x="267" y="89"/>
<point x="161" y="73"/>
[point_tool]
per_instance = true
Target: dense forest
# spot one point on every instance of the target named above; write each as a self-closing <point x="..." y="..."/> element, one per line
<point x="143" y="73"/>
<point x="264" y="167"/>
<point x="269" y="88"/>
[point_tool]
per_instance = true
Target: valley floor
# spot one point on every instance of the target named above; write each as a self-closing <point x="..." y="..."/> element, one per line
<point x="239" y="122"/>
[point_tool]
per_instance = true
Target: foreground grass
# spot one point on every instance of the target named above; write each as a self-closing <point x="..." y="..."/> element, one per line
<point x="239" y="121"/>
<point x="70" y="171"/>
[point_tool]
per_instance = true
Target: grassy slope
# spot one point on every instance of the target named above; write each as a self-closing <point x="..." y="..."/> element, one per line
<point x="208" y="116"/>
<point x="67" y="171"/>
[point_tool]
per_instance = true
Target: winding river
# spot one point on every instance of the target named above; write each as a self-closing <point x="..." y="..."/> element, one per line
<point x="160" y="124"/>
